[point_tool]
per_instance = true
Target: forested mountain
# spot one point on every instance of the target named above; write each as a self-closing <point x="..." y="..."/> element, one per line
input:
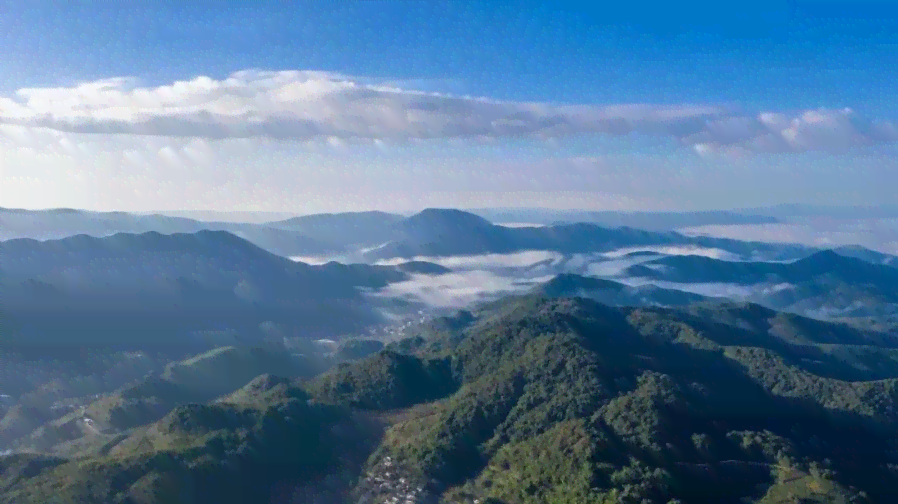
<point x="526" y="399"/>
<point x="449" y="232"/>
<point x="152" y="285"/>
<point x="826" y="284"/>
<point x="615" y="293"/>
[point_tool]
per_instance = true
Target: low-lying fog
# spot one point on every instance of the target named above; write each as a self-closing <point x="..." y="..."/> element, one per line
<point x="475" y="278"/>
<point x="879" y="234"/>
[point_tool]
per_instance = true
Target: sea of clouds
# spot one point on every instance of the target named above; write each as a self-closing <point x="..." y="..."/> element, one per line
<point x="475" y="278"/>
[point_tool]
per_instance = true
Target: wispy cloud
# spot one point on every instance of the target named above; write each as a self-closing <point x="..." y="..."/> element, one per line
<point x="454" y="290"/>
<point x="313" y="260"/>
<point x="303" y="105"/>
<point x="714" y="253"/>
<point x="724" y="290"/>
<point x="519" y="225"/>
<point x="488" y="261"/>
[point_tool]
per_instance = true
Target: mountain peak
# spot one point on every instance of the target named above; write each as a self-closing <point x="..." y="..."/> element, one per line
<point x="570" y="283"/>
<point x="825" y="258"/>
<point x="450" y="216"/>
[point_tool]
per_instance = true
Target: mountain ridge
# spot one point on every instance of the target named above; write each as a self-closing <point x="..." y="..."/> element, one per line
<point x="184" y="280"/>
<point x="338" y="234"/>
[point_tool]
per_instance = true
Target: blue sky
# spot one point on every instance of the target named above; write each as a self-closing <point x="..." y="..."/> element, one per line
<point x="781" y="58"/>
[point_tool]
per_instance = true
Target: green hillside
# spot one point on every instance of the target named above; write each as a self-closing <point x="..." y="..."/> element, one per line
<point x="229" y="451"/>
<point x="572" y="401"/>
<point x="525" y="400"/>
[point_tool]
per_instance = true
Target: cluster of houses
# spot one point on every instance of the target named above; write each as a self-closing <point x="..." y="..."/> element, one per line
<point x="386" y="483"/>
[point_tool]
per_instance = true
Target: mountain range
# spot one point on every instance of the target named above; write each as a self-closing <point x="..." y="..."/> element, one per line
<point x="654" y="221"/>
<point x="447" y="232"/>
<point x="524" y="400"/>
<point x="195" y="362"/>
<point x="614" y="293"/>
<point x="166" y="288"/>
<point x="432" y="231"/>
<point x="155" y="288"/>
<point x="826" y="284"/>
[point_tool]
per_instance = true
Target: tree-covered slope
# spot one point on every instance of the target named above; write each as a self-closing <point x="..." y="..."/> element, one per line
<point x="233" y="450"/>
<point x="572" y="401"/>
<point x="157" y="289"/>
<point x="533" y="400"/>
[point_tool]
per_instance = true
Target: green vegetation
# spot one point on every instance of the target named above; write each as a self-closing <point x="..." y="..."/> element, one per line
<point x="572" y="401"/>
<point x="195" y="380"/>
<point x="229" y="451"/>
<point x="384" y="381"/>
<point x="523" y="401"/>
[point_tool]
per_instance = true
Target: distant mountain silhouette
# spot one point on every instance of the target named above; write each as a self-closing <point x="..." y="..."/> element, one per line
<point x="343" y="229"/>
<point x="694" y="269"/>
<point x="444" y="232"/>
<point x="447" y="232"/>
<point x="868" y="255"/>
<point x="825" y="284"/>
<point x="153" y="283"/>
<point x="430" y="232"/>
<point x="655" y="221"/>
<point x="62" y="223"/>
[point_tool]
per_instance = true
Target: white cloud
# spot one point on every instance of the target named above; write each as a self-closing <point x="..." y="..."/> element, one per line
<point x="487" y="261"/>
<point x="304" y="105"/>
<point x="313" y="260"/>
<point x="519" y="225"/>
<point x="614" y="267"/>
<point x="453" y="290"/>
<point x="714" y="253"/>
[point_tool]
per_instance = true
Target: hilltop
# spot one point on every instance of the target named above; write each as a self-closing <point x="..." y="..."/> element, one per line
<point x="615" y="293"/>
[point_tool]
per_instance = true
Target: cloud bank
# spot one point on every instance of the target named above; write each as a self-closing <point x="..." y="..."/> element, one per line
<point x="455" y="290"/>
<point x="305" y="105"/>
<point x="876" y="234"/>
<point x="714" y="253"/>
<point x="479" y="277"/>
